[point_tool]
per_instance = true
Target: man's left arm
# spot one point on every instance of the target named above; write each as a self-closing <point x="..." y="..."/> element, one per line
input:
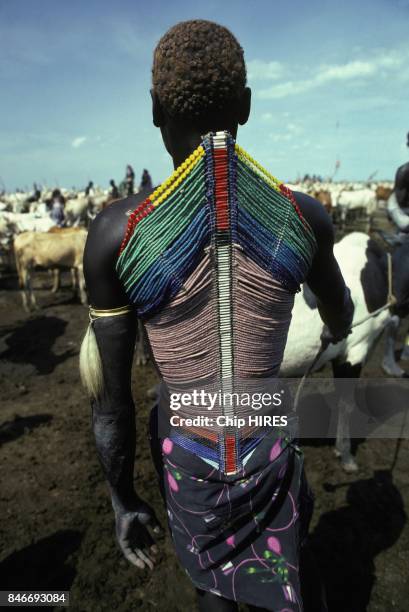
<point x="113" y="409"/>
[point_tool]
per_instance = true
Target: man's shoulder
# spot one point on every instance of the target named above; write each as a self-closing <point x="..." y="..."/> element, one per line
<point x="314" y="213"/>
<point x="109" y="226"/>
<point x="122" y="206"/>
<point x="312" y="210"/>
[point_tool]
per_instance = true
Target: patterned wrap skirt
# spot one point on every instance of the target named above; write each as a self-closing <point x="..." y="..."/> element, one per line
<point x="238" y="536"/>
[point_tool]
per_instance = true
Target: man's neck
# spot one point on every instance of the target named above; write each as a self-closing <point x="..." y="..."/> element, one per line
<point x="185" y="148"/>
<point x="181" y="142"/>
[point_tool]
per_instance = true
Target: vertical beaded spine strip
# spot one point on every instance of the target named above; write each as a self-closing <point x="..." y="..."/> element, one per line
<point x="228" y="442"/>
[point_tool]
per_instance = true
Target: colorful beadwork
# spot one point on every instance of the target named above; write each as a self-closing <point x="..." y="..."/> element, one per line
<point x="192" y="249"/>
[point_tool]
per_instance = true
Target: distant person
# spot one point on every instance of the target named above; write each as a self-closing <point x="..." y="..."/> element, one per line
<point x="146" y="181"/>
<point x="398" y="203"/>
<point x="57" y="208"/>
<point x="35" y="197"/>
<point x="129" y="180"/>
<point x="114" y="192"/>
<point x="89" y="190"/>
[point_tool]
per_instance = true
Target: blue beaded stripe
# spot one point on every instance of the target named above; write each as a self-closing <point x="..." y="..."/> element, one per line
<point x="271" y="253"/>
<point x="192" y="445"/>
<point x="209" y="178"/>
<point x="164" y="279"/>
<point x="201" y="449"/>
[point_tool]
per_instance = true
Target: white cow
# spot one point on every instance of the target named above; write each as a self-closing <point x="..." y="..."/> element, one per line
<point x="303" y="341"/>
<point x="75" y="211"/>
<point x="26" y="222"/>
<point x="361" y="198"/>
<point x="306" y="325"/>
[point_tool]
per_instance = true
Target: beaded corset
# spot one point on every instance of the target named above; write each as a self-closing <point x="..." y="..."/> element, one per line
<point x="211" y="261"/>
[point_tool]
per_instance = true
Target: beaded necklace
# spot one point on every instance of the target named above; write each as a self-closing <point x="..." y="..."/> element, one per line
<point x="263" y="217"/>
<point x="217" y="199"/>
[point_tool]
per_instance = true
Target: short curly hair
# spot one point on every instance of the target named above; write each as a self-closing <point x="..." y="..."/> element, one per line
<point x="198" y="70"/>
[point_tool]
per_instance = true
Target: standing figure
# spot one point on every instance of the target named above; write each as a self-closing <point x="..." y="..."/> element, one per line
<point x="36" y="195"/>
<point x="146" y="181"/>
<point x="210" y="262"/>
<point x="129" y="180"/>
<point x="89" y="189"/>
<point x="114" y="191"/>
<point x="57" y="208"/>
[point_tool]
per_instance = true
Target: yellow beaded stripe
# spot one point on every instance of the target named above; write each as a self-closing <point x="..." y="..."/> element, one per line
<point x="161" y="194"/>
<point x="167" y="187"/>
<point x="244" y="156"/>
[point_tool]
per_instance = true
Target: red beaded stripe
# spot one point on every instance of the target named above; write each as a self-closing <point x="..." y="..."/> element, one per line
<point x="221" y="189"/>
<point x="230" y="453"/>
<point x="139" y="213"/>
<point x="289" y="194"/>
<point x="221" y="195"/>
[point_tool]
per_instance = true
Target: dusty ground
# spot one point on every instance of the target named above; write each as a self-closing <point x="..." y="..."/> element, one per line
<point x="56" y="530"/>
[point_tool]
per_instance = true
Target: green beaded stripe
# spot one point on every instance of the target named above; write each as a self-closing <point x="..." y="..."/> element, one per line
<point x="162" y="226"/>
<point x="273" y="211"/>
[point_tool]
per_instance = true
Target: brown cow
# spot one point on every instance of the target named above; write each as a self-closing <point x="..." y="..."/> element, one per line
<point x="325" y="198"/>
<point x="383" y="193"/>
<point x="56" y="273"/>
<point x="48" y="250"/>
<point x="64" y="230"/>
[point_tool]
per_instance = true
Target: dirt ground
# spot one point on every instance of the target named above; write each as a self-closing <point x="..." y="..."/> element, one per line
<point x="57" y="528"/>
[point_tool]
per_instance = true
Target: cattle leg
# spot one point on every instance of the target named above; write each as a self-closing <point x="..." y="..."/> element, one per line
<point x="56" y="281"/>
<point x="368" y="225"/>
<point x="73" y="279"/>
<point x="27" y="293"/>
<point x="389" y="365"/>
<point x="81" y="285"/>
<point x="140" y="353"/>
<point x="24" y="289"/>
<point x="34" y="304"/>
<point x="345" y="409"/>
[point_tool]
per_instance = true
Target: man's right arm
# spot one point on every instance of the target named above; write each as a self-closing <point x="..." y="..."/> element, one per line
<point x="325" y="278"/>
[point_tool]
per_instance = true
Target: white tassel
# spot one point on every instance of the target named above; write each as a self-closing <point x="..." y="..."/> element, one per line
<point x="91" y="365"/>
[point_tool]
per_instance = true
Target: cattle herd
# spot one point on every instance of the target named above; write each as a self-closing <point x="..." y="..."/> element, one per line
<point x="29" y="240"/>
<point x="19" y="214"/>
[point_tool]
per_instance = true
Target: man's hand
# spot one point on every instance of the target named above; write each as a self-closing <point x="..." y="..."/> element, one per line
<point x="327" y="337"/>
<point x="133" y="534"/>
